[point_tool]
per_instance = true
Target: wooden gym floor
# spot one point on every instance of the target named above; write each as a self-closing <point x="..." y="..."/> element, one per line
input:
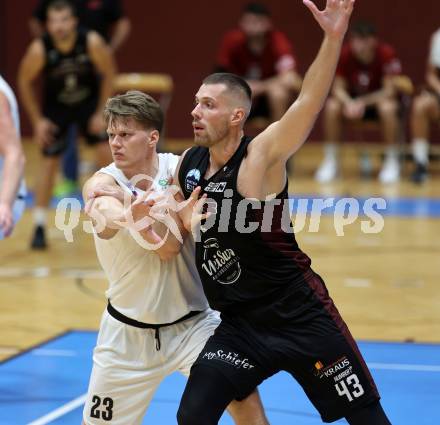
<point x="384" y="284"/>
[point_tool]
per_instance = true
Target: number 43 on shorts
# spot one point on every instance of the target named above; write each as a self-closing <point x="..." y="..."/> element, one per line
<point x="350" y="387"/>
<point x="105" y="412"/>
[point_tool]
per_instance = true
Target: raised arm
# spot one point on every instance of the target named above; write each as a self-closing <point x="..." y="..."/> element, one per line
<point x="285" y="137"/>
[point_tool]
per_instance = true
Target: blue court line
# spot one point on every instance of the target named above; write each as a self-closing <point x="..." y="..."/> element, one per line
<point x="395" y="207"/>
<point x="50" y="376"/>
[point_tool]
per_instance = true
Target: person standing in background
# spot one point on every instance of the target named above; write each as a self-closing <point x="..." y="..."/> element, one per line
<point x="107" y="18"/>
<point x="77" y="70"/>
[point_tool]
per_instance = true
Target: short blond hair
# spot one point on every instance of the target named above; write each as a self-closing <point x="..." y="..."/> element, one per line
<point x="137" y="105"/>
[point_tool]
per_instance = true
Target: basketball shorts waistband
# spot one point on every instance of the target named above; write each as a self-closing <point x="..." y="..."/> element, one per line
<point x="129" y="321"/>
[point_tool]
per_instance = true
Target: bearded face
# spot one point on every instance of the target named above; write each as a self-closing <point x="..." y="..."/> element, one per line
<point x="211" y="115"/>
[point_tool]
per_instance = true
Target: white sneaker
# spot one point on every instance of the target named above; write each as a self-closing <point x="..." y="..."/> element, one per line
<point x="327" y="171"/>
<point x="390" y="172"/>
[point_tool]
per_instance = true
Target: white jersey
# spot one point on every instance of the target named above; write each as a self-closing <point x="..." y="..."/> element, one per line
<point x="434" y="55"/>
<point x="9" y="94"/>
<point x="141" y="285"/>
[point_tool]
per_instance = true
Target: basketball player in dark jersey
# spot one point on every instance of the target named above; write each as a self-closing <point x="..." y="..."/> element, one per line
<point x="77" y="73"/>
<point x="276" y="311"/>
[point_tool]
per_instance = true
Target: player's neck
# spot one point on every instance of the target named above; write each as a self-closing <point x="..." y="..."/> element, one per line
<point x="146" y="171"/>
<point x="150" y="169"/>
<point x="221" y="152"/>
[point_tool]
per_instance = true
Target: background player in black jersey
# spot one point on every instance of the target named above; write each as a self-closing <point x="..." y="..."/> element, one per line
<point x="107" y="18"/>
<point x="77" y="70"/>
<point x="276" y="311"/>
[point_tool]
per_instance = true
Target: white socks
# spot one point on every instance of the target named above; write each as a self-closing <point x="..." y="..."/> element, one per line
<point x="40" y="216"/>
<point x="331" y="151"/>
<point x="391" y="153"/>
<point x="420" y="151"/>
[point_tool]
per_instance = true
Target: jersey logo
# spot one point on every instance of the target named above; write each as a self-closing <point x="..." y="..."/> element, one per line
<point x="192" y="179"/>
<point x="221" y="265"/>
<point x="163" y="183"/>
<point x="215" y="187"/>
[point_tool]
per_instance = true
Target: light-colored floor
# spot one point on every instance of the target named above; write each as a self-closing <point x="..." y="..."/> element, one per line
<point x="385" y="284"/>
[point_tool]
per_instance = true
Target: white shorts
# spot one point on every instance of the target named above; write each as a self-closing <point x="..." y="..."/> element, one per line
<point x="127" y="367"/>
<point x="17" y="211"/>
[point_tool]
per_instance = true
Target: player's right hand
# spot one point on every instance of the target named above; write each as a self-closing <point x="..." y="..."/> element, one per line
<point x="45" y="131"/>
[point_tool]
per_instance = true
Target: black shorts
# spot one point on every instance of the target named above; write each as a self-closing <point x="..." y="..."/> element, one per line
<point x="63" y="117"/>
<point x="318" y="351"/>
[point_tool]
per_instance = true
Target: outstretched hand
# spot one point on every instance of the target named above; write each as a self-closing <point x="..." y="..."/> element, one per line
<point x="191" y="211"/>
<point x="334" y="18"/>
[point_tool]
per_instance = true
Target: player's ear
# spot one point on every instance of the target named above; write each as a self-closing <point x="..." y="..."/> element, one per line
<point x="153" y="138"/>
<point x="238" y="116"/>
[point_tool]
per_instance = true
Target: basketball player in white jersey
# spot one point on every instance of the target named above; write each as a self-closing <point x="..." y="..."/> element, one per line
<point x="157" y="319"/>
<point x="12" y="189"/>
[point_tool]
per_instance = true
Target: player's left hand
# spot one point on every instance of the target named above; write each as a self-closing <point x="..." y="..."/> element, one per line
<point x="192" y="211"/>
<point x="334" y="18"/>
<point x="111" y="190"/>
<point x="6" y="219"/>
<point x="138" y="213"/>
